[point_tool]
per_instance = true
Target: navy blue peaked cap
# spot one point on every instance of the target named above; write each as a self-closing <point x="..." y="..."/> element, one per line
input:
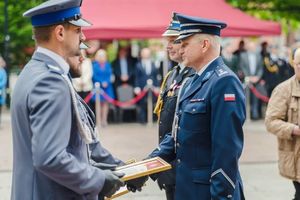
<point x="55" y="12"/>
<point x="190" y="25"/>
<point x="173" y="28"/>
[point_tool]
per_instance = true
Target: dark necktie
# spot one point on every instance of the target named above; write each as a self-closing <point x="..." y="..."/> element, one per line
<point x="175" y="73"/>
<point x="189" y="85"/>
<point x="177" y="70"/>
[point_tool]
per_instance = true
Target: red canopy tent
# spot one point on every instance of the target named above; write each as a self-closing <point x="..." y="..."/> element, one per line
<point x="121" y="19"/>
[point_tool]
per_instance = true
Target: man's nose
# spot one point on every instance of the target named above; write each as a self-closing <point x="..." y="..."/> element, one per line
<point x="82" y="36"/>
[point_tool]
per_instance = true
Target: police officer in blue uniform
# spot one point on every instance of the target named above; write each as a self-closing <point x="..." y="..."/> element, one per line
<point x="54" y="145"/>
<point x="207" y="137"/>
<point x="166" y="103"/>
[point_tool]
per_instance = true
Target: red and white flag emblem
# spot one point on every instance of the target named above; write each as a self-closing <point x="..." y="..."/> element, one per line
<point x="229" y="97"/>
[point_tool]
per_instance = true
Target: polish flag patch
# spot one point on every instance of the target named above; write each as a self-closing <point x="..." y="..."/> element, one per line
<point x="229" y="97"/>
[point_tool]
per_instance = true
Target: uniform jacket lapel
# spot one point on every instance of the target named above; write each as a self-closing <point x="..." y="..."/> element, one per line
<point x="202" y="79"/>
<point x="187" y="71"/>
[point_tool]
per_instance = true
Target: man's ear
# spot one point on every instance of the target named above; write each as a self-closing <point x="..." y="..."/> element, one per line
<point x="59" y="32"/>
<point x="205" y="45"/>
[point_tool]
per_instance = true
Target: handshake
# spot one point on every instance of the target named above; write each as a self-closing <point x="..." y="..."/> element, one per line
<point x="113" y="181"/>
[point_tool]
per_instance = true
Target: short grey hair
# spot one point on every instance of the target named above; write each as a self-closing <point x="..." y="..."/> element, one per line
<point x="214" y="40"/>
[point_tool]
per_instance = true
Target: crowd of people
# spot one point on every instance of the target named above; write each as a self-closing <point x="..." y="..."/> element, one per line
<point x="261" y="68"/>
<point x="124" y="76"/>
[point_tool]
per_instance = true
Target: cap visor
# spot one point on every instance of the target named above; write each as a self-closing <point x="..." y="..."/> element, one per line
<point x="80" y="22"/>
<point x="83" y="46"/>
<point x="170" y="33"/>
<point x="182" y="37"/>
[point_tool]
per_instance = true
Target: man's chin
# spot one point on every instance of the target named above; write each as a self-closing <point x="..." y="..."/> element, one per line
<point x="185" y="63"/>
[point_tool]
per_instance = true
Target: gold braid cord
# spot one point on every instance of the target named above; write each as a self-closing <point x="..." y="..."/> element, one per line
<point x="270" y="68"/>
<point x="159" y="102"/>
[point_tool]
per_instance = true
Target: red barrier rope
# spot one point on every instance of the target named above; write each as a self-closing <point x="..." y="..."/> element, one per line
<point x="126" y="103"/>
<point x="155" y="93"/>
<point x="88" y="97"/>
<point x="116" y="102"/>
<point x="258" y="94"/>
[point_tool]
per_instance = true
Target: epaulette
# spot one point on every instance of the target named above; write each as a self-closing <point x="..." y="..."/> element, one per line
<point x="221" y="71"/>
<point x="55" y="69"/>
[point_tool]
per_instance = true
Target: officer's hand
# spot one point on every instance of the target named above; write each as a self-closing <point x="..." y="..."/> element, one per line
<point x="136" y="184"/>
<point x="112" y="183"/>
<point x="105" y="166"/>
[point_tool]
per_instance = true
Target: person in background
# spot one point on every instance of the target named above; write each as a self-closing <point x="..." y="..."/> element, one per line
<point x="102" y="74"/>
<point x="3" y="82"/>
<point x="235" y="61"/>
<point x="145" y="70"/>
<point x="123" y="68"/>
<point x="251" y="63"/>
<point x="282" y="120"/>
<point x="83" y="84"/>
<point x="271" y="68"/>
<point x="166" y="103"/>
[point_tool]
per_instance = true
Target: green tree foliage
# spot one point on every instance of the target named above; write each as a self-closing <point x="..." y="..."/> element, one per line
<point x="284" y="11"/>
<point x="19" y="30"/>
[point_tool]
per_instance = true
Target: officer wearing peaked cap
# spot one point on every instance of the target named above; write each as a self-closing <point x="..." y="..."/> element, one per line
<point x="54" y="144"/>
<point x="207" y="138"/>
<point x="166" y="103"/>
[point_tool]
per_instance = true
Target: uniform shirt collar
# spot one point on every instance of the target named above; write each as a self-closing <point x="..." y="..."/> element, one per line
<point x="181" y="67"/>
<point x="61" y="62"/>
<point x="204" y="68"/>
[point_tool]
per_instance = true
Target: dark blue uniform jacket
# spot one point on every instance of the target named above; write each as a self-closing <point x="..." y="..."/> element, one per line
<point x="209" y="138"/>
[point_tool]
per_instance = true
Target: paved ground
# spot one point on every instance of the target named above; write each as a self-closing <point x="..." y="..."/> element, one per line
<point x="258" y="163"/>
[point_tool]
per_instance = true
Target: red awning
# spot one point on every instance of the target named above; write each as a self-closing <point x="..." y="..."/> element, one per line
<point x="124" y="19"/>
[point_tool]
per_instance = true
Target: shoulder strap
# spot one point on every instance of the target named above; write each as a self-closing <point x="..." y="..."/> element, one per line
<point x="159" y="102"/>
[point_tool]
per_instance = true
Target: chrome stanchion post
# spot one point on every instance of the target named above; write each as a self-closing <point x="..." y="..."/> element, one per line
<point x="97" y="105"/>
<point x="149" y="103"/>
<point x="247" y="94"/>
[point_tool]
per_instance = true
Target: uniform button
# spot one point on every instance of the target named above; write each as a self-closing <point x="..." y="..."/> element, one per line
<point x="160" y="137"/>
<point x="194" y="109"/>
<point x="160" y="122"/>
<point x="178" y="128"/>
<point x="229" y="196"/>
<point x="177" y="145"/>
<point x="178" y="161"/>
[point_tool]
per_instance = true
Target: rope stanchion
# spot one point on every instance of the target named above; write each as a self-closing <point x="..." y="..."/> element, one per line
<point x="258" y="94"/>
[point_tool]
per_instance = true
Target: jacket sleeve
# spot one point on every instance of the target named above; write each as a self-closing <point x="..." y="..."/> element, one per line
<point x="100" y="154"/>
<point x="165" y="150"/>
<point x="276" y="114"/>
<point x="50" y="109"/>
<point x="228" y="114"/>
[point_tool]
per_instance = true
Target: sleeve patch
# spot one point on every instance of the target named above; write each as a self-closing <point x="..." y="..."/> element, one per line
<point x="229" y="97"/>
